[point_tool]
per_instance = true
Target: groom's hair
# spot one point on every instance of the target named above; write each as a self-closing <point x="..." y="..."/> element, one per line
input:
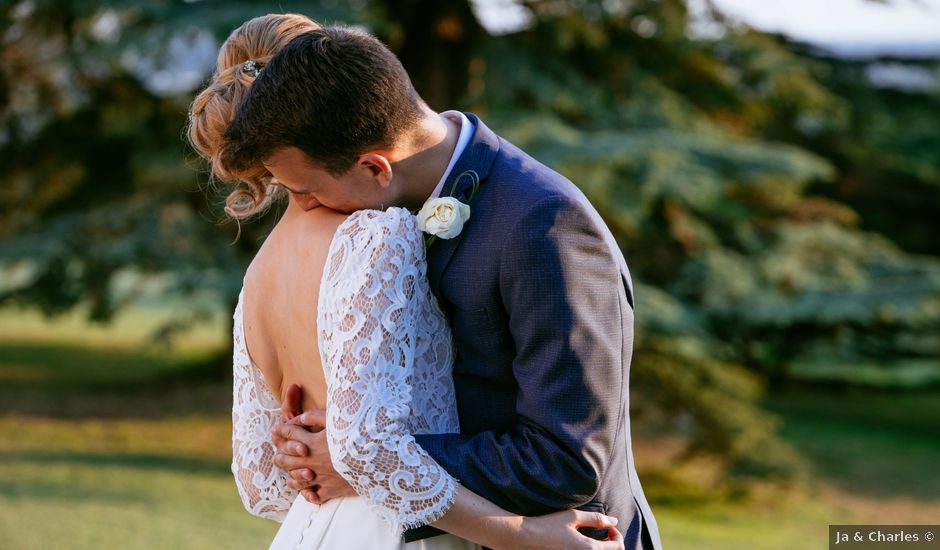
<point x="332" y="92"/>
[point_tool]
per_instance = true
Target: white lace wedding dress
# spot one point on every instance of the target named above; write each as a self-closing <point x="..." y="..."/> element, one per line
<point x="387" y="356"/>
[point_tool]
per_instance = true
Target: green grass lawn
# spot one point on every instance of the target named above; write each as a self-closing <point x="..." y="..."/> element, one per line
<point x="107" y="445"/>
<point x="121" y="484"/>
<point x="862" y="472"/>
<point x="872" y="459"/>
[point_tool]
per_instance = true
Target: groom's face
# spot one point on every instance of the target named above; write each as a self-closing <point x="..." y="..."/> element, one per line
<point x="311" y="186"/>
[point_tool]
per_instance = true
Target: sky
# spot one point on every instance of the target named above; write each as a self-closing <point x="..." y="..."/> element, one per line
<point x="861" y="26"/>
<point x="849" y="27"/>
<point x="892" y="23"/>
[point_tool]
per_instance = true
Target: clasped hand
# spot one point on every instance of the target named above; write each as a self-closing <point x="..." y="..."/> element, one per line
<point x="302" y="451"/>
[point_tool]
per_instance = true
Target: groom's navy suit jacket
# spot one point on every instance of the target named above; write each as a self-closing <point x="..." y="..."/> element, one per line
<point x="540" y="302"/>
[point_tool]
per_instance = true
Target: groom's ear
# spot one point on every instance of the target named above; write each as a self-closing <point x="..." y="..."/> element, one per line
<point x="378" y="167"/>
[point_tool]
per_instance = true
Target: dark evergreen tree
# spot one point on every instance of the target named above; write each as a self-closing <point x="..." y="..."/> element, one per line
<point x="768" y="199"/>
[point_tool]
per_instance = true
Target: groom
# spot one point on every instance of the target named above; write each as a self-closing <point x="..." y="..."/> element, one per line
<point x="535" y="288"/>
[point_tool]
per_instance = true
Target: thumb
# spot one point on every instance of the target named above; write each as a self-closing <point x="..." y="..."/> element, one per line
<point x="596" y="520"/>
<point x="614" y="536"/>
<point x="291" y="405"/>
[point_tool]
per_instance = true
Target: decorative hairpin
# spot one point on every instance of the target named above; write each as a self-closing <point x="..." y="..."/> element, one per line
<point x="252" y="68"/>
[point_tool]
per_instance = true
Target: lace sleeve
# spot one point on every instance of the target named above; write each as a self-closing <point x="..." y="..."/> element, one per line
<point x="262" y="486"/>
<point x="367" y="319"/>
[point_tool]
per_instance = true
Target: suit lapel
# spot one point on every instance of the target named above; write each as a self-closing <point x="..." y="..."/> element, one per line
<point x="478" y="158"/>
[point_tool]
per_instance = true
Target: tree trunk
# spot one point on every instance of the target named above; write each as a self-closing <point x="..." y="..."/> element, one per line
<point x="436" y="41"/>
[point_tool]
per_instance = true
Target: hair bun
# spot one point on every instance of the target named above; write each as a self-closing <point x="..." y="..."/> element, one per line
<point x="241" y="58"/>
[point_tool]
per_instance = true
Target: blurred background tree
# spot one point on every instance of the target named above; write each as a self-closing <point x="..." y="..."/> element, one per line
<point x="777" y="205"/>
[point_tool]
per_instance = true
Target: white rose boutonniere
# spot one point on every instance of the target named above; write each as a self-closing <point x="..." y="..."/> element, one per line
<point x="444" y="217"/>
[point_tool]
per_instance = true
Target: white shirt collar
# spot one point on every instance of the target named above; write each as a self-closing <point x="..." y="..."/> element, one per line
<point x="466" y="131"/>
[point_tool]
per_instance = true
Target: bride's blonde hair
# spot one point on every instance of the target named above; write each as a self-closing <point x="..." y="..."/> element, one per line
<point x="241" y="56"/>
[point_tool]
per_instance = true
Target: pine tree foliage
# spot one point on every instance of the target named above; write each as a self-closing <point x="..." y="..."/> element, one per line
<point x="707" y="160"/>
<point x="778" y="212"/>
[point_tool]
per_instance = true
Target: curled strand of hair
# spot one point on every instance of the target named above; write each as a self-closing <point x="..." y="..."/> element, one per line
<point x="238" y="232"/>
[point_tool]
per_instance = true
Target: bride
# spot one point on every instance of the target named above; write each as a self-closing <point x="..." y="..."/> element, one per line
<point x="340" y="305"/>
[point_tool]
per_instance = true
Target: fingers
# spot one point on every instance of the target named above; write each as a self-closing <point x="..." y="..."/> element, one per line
<point x="597" y="520"/>
<point x="301" y="483"/>
<point x="314" y="418"/>
<point x="614" y="540"/>
<point x="609" y="544"/>
<point x="303" y="475"/>
<point x="276" y="436"/>
<point x="332" y="486"/>
<point x="289" y="463"/>
<point x="311" y="496"/>
<point x="288" y="431"/>
<point x="593" y="519"/>
<point x="287" y="446"/>
<point x="298" y="485"/>
<point x="291" y="405"/>
<point x="294" y="448"/>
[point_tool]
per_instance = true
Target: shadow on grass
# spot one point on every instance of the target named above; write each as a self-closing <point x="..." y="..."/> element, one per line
<point x="67" y="380"/>
<point x="872" y="443"/>
<point x="37" y="489"/>
<point x="174" y="463"/>
<point x="80" y="367"/>
<point x="39" y="475"/>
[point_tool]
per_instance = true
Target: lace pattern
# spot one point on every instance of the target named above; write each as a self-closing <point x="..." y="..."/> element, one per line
<point x="388" y="356"/>
<point x="262" y="486"/>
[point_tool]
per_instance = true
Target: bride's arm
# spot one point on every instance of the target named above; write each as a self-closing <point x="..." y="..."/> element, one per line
<point x="262" y="486"/>
<point x="474" y="518"/>
<point x="367" y="327"/>
<point x="367" y="315"/>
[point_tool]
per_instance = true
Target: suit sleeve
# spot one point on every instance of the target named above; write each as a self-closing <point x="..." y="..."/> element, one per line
<point x="559" y="283"/>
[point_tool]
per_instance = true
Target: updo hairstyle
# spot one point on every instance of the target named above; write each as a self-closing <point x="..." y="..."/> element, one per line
<point x="243" y="54"/>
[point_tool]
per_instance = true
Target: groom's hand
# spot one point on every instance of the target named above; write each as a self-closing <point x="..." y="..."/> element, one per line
<point x="304" y="454"/>
<point x="290" y="408"/>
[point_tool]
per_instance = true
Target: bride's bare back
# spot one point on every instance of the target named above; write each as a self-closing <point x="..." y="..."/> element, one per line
<point x="282" y="286"/>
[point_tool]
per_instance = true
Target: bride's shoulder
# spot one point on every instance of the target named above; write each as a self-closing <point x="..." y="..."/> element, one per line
<point x="394" y="221"/>
<point x="297" y="234"/>
<point x="368" y="238"/>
